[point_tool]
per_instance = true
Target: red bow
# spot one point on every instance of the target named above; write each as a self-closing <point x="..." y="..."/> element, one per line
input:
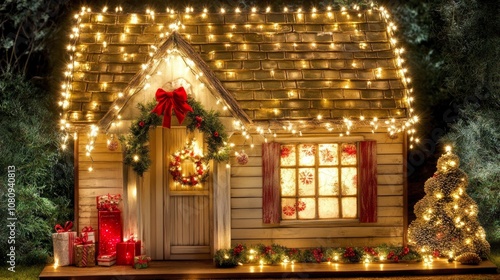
<point x="174" y="100"/>
<point x="67" y="227"/>
<point x="131" y="239"/>
<point x="87" y="229"/>
<point x="83" y="240"/>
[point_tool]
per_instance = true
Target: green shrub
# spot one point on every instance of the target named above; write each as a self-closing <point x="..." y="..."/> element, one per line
<point x="477" y="141"/>
<point x="43" y="177"/>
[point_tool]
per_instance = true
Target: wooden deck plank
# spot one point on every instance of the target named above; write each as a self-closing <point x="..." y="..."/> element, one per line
<point x="206" y="269"/>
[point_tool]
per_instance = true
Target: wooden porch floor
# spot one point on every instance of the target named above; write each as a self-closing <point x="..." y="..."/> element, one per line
<point x="206" y="270"/>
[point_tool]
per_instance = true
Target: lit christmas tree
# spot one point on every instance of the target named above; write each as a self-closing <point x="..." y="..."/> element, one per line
<point x="446" y="223"/>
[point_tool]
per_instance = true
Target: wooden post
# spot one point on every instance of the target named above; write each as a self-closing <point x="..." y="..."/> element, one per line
<point x="221" y="206"/>
<point x="76" y="192"/>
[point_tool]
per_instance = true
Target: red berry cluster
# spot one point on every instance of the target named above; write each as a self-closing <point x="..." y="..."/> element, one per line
<point x="292" y="252"/>
<point x="349" y="252"/>
<point x="268" y="250"/>
<point x="436" y="253"/>
<point x="318" y="254"/>
<point x="199" y="120"/>
<point x="237" y="250"/>
<point x="371" y="251"/>
<point x="395" y="258"/>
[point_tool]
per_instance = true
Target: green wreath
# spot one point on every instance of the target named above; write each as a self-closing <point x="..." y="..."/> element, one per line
<point x="137" y="154"/>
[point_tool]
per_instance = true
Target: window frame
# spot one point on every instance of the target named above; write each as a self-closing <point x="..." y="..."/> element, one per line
<point x="317" y="141"/>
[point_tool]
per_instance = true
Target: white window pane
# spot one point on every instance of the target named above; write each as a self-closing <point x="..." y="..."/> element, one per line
<point x="348" y="154"/>
<point x="288" y="181"/>
<point x="328" y="180"/>
<point x="349" y="181"/>
<point x="349" y="207"/>
<point x="288" y="155"/>
<point x="306" y="181"/>
<point x="308" y="210"/>
<point x="328" y="208"/>
<point x="288" y="211"/>
<point x="328" y="154"/>
<point x="307" y="154"/>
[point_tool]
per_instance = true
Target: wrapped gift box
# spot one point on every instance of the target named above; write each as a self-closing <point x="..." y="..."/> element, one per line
<point x="63" y="242"/>
<point x="85" y="255"/>
<point x="63" y="247"/>
<point x="126" y="251"/>
<point x="141" y="261"/>
<point x="106" y="260"/>
<point x="90" y="233"/>
<point x="110" y="231"/>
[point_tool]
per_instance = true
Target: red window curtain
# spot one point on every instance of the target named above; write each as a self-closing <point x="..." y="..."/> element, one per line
<point x="368" y="181"/>
<point x="271" y="183"/>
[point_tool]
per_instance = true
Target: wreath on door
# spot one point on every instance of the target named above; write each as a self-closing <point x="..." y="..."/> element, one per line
<point x="189" y="152"/>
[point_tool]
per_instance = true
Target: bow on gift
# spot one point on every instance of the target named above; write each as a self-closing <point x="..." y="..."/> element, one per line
<point x="131" y="239"/>
<point x="83" y="240"/>
<point x="87" y="229"/>
<point x="173" y="100"/>
<point x="67" y="227"/>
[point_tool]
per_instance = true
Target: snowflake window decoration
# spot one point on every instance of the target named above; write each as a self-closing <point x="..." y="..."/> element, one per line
<point x="306" y="177"/>
<point x="289" y="210"/>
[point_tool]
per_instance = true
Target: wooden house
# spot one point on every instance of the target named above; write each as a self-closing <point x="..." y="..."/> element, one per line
<point x="319" y="101"/>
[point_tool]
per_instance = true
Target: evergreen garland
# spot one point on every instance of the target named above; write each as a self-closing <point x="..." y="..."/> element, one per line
<point x="275" y="254"/>
<point x="137" y="153"/>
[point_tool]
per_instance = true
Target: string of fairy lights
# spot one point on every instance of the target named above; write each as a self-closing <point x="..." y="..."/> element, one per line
<point x="342" y="127"/>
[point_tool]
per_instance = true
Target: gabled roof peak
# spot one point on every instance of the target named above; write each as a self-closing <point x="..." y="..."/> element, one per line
<point x="174" y="43"/>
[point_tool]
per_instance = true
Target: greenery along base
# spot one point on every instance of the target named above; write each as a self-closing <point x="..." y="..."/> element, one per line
<point x="137" y="154"/>
<point x="276" y="254"/>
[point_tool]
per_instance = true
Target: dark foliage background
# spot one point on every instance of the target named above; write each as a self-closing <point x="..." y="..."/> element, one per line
<point x="28" y="135"/>
<point x="452" y="54"/>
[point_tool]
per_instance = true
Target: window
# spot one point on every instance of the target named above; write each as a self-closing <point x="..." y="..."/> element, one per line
<point x="318" y="181"/>
<point x="366" y="161"/>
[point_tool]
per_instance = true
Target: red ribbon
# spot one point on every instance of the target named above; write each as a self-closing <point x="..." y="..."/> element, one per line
<point x="87" y="229"/>
<point x="131" y="239"/>
<point x="83" y="240"/>
<point x="67" y="227"/>
<point x="174" y="100"/>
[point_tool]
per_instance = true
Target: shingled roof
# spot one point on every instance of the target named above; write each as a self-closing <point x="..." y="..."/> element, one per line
<point x="277" y="66"/>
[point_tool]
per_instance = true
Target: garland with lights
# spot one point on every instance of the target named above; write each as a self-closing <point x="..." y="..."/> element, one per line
<point x="188" y="153"/>
<point x="137" y="154"/>
<point x="276" y="254"/>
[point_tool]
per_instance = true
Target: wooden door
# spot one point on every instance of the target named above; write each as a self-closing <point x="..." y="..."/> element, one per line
<point x="187" y="209"/>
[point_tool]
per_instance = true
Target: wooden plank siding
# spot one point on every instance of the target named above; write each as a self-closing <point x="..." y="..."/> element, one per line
<point x="106" y="177"/>
<point x="246" y="204"/>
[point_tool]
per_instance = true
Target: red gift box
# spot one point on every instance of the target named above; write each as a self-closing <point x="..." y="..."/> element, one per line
<point x="110" y="231"/>
<point x="126" y="251"/>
